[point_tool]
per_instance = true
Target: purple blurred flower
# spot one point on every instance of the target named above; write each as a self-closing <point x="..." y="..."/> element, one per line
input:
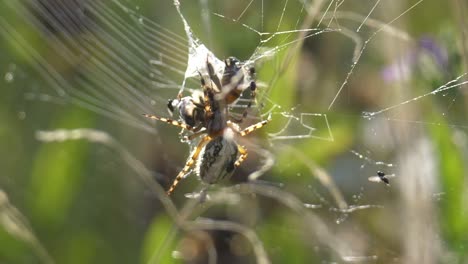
<point x="403" y="67"/>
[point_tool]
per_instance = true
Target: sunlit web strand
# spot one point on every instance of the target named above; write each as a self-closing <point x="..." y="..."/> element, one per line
<point x="108" y="66"/>
<point x="373" y="23"/>
<point x="167" y="42"/>
<point x="442" y="88"/>
<point x="368" y="15"/>
<point x="161" y="47"/>
<point x="353" y="208"/>
<point x="371" y="161"/>
<point x="417" y="122"/>
<point x="324" y="13"/>
<point x="362" y="51"/>
<point x="57" y="82"/>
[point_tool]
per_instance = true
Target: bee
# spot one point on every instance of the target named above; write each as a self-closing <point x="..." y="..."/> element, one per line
<point x="233" y="80"/>
<point x="205" y="115"/>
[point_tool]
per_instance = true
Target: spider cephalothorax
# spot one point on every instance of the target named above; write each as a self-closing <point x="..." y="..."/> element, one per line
<point x="217" y="153"/>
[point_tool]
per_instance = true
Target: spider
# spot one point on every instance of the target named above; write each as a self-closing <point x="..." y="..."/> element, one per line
<point x="227" y="89"/>
<point x="217" y="153"/>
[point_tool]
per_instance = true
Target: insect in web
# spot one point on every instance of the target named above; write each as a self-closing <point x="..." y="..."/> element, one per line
<point x="206" y="114"/>
<point x="235" y="79"/>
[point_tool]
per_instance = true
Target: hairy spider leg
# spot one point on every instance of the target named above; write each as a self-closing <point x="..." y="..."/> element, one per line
<point x="242" y="157"/>
<point x="195" y="135"/>
<point x="249" y="129"/>
<point x="207" y="97"/>
<point x="243" y="152"/>
<point x="253" y="127"/>
<point x="170" y="121"/>
<point x="189" y="163"/>
<point x="253" y="94"/>
<point x="213" y="77"/>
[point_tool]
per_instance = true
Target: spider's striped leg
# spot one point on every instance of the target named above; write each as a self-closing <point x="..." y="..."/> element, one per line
<point x="170" y="121"/>
<point x="213" y="77"/>
<point x="253" y="87"/>
<point x="195" y="135"/>
<point x="189" y="163"/>
<point x="242" y="157"/>
<point x="249" y="129"/>
<point x="254" y="127"/>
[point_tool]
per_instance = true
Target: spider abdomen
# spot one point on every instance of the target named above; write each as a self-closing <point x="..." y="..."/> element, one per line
<point x="216" y="162"/>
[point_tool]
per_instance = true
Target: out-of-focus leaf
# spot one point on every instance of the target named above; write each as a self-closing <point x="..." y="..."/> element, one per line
<point x="81" y="248"/>
<point x="11" y="248"/>
<point x="57" y="172"/>
<point x="155" y="241"/>
<point x="317" y="150"/>
<point x="454" y="210"/>
<point x="282" y="239"/>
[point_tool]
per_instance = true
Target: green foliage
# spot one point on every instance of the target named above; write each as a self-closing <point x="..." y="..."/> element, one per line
<point x="57" y="175"/>
<point x="13" y="250"/>
<point x="155" y="246"/>
<point x="283" y="238"/>
<point x="454" y="210"/>
<point x="86" y="204"/>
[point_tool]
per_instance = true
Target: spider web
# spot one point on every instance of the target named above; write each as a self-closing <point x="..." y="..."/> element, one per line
<point x="120" y="60"/>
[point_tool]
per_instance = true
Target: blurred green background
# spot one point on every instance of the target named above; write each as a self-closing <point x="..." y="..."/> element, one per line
<point x="82" y="202"/>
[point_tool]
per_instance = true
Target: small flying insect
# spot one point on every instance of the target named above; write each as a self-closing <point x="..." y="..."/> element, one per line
<point x="381" y="177"/>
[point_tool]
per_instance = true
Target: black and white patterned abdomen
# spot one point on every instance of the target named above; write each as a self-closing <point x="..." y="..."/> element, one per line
<point x="216" y="162"/>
